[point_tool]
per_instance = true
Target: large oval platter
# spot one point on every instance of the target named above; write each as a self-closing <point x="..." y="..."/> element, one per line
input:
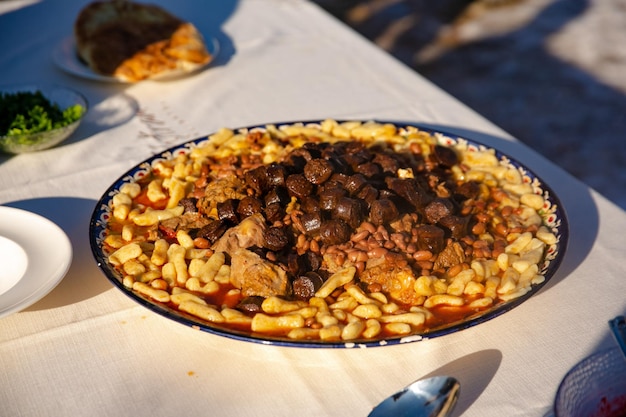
<point x="552" y="217"/>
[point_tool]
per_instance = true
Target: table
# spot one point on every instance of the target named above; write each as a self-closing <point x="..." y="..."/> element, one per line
<point x="87" y="349"/>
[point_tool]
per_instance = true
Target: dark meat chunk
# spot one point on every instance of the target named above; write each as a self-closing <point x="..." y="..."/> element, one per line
<point x="339" y="179"/>
<point x="276" y="175"/>
<point x="298" y="186"/>
<point x="315" y="148"/>
<point x="312" y="261"/>
<point x="349" y="210"/>
<point x="251" y="304"/>
<point x="274" y="212"/>
<point x="369" y="169"/>
<point x="213" y="231"/>
<point x="275" y="239"/>
<point x="318" y="171"/>
<point x="353" y="148"/>
<point x="330" y="195"/>
<point x="445" y="156"/>
<point x="437" y="209"/>
<point x="431" y="238"/>
<point x="469" y="189"/>
<point x="297" y="159"/>
<point x="355" y="157"/>
<point x="310" y="204"/>
<point x="257" y="179"/>
<point x="369" y="194"/>
<point x="385" y="193"/>
<point x="355" y="182"/>
<point x="410" y="190"/>
<point x="227" y="210"/>
<point x="334" y="232"/>
<point x="457" y="225"/>
<point x="339" y="165"/>
<point x="189" y="204"/>
<point x="311" y="223"/>
<point x="249" y="206"/>
<point x="278" y="194"/>
<point x="303" y="152"/>
<point x="305" y="286"/>
<point x="387" y="163"/>
<point x="383" y="211"/>
<point x="294" y="264"/>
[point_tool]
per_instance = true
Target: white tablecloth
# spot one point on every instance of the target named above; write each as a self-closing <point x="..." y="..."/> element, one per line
<point x="87" y="349"/>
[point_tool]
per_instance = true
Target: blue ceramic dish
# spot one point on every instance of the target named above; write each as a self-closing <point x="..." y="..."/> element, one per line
<point x="553" y="214"/>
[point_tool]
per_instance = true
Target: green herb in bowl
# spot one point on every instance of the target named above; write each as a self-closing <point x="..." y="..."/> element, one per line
<point x="34" y="118"/>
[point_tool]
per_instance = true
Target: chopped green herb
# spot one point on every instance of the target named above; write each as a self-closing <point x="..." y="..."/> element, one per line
<point x="30" y="112"/>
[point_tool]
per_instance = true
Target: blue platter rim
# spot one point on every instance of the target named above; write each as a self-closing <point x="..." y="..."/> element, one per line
<point x="557" y="218"/>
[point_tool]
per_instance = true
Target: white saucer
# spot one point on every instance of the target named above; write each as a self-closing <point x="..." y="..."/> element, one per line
<point x="36" y="255"/>
<point x="66" y="58"/>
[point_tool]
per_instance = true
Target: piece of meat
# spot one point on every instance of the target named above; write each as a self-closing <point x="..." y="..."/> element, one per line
<point x="298" y="186"/>
<point x="387" y="163"/>
<point x="305" y="286"/>
<point x="445" y="155"/>
<point x="438" y="209"/>
<point x="186" y="221"/>
<point x="248" y="206"/>
<point x="251" y="304"/>
<point x="257" y="179"/>
<point x="227" y="210"/>
<point x="246" y="234"/>
<point x="218" y="191"/>
<point x="410" y="190"/>
<point x="456" y="224"/>
<point x="350" y="210"/>
<point x="318" y="171"/>
<point x="355" y="182"/>
<point x="397" y="281"/>
<point x="335" y="232"/>
<point x="431" y="238"/>
<point x="275" y="239"/>
<point x="213" y="230"/>
<point x="383" y="211"/>
<point x="451" y="255"/>
<point x="256" y="276"/>
<point x="189" y="204"/>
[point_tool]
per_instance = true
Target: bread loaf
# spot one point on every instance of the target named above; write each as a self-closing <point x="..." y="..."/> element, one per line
<point x="133" y="41"/>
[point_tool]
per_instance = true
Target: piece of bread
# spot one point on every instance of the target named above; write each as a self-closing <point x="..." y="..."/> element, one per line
<point x="133" y="41"/>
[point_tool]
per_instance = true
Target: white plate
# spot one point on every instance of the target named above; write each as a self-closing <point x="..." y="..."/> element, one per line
<point x="66" y="58"/>
<point x="38" y="255"/>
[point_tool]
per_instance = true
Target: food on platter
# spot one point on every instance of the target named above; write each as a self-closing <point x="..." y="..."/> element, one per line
<point x="134" y="41"/>
<point x="329" y="231"/>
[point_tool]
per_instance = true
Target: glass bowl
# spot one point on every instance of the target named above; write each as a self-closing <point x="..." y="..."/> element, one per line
<point x="595" y="387"/>
<point x="63" y="98"/>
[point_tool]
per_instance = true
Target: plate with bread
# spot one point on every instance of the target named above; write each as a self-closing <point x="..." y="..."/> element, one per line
<point x="127" y="42"/>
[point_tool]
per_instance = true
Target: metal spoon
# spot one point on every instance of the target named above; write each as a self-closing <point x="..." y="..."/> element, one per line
<point x="430" y="397"/>
<point x="618" y="326"/>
